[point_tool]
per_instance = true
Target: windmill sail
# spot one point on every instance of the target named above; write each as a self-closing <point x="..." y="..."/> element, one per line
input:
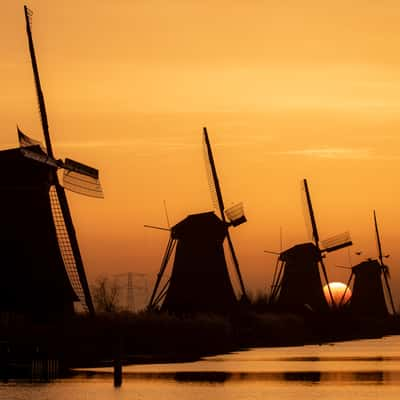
<point x="316" y="236"/>
<point x="82" y="179"/>
<point x="66" y="249"/>
<point x="215" y="188"/>
<point x="59" y="192"/>
<point x="385" y="269"/>
<point x="336" y="242"/>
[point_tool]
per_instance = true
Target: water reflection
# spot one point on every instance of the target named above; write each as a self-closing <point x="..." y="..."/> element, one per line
<point x="218" y="377"/>
<point x="356" y="370"/>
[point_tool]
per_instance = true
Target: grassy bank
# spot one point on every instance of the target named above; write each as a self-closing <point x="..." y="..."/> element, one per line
<point x="156" y="337"/>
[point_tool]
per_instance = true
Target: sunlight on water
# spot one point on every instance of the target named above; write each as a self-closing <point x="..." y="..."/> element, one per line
<point x="366" y="369"/>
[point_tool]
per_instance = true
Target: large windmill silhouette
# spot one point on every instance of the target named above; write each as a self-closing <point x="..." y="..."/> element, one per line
<point x="371" y="281"/>
<point x="199" y="278"/>
<point x="297" y="281"/>
<point x="43" y="273"/>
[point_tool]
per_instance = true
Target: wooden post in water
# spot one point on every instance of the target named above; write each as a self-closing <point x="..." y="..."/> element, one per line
<point x="117" y="372"/>
<point x="117" y="362"/>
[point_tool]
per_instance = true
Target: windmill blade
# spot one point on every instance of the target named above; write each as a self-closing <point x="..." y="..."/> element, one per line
<point x="215" y="186"/>
<point x="316" y="236"/>
<point x="236" y="264"/>
<point x="81" y="178"/>
<point x="389" y="291"/>
<point x="311" y="214"/>
<point x="39" y="92"/>
<point x="336" y="242"/>
<point x="327" y="281"/>
<point x="61" y="213"/>
<point x="69" y="247"/>
<point x="213" y="177"/>
<point x="153" y="299"/>
<point x="378" y="239"/>
<point x="345" y="291"/>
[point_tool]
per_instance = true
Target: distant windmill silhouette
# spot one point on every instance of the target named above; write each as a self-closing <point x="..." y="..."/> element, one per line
<point x="200" y="280"/>
<point x="297" y="280"/>
<point x="371" y="279"/>
<point x="46" y="275"/>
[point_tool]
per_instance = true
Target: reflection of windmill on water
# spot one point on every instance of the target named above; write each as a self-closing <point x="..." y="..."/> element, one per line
<point x="199" y="280"/>
<point x="134" y="288"/>
<point x="297" y="282"/>
<point x="371" y="280"/>
<point x="43" y="273"/>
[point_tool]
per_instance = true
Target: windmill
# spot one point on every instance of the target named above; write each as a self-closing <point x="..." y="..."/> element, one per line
<point x="371" y="279"/>
<point x="43" y="272"/>
<point x="200" y="279"/>
<point x="297" y="281"/>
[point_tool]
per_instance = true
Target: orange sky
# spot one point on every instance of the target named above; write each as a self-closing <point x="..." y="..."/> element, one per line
<point x="286" y="91"/>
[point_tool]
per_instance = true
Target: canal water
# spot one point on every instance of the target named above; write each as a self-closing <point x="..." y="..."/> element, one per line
<point x="362" y="369"/>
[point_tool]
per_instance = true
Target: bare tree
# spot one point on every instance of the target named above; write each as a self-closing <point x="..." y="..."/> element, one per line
<point x="106" y="294"/>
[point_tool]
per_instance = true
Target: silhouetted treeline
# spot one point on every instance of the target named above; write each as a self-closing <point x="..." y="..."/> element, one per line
<point x="84" y="341"/>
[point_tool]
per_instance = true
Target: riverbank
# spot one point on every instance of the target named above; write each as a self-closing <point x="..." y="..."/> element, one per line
<point x="154" y="337"/>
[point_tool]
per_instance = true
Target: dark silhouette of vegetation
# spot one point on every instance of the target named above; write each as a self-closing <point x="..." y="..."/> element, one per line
<point x="106" y="295"/>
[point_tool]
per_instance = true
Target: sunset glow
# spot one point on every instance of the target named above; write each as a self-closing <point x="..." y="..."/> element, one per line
<point x="286" y="91"/>
<point x="341" y="294"/>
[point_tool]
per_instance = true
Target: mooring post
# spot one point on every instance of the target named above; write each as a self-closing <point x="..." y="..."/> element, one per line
<point x="117" y="363"/>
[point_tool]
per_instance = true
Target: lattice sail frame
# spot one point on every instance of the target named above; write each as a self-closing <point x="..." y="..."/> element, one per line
<point x="66" y="248"/>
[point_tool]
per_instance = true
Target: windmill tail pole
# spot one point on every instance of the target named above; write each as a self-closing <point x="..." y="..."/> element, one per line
<point x="42" y="106"/>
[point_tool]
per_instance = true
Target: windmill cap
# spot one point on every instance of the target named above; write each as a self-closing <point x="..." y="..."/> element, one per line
<point x="200" y="226"/>
<point x="303" y="250"/>
<point x="367" y="266"/>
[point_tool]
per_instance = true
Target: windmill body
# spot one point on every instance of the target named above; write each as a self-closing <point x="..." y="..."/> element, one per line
<point x="199" y="279"/>
<point x="371" y="279"/>
<point x="34" y="279"/>
<point x="368" y="297"/>
<point x="300" y="286"/>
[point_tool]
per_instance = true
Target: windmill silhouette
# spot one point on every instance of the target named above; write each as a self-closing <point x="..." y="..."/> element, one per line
<point x="297" y="281"/>
<point x="44" y="274"/>
<point x="371" y="280"/>
<point x="200" y="279"/>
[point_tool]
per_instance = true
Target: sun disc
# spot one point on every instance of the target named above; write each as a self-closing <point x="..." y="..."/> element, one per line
<point x="341" y="293"/>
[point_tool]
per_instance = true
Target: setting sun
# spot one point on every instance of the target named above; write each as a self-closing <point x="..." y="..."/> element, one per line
<point x="341" y="293"/>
